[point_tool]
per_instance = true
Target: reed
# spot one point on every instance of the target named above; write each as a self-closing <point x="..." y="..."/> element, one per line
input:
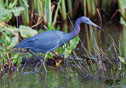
<point x="86" y="27"/>
<point x="97" y="64"/>
<point x="91" y="8"/>
<point x="122" y="8"/>
<point x="85" y="7"/>
<point x="25" y="14"/>
<point x="46" y="5"/>
<point x="43" y="9"/>
<point x="56" y="13"/>
<point x="93" y="67"/>
<point x="38" y="7"/>
<point x="63" y="7"/>
<point x="69" y="3"/>
<point x="1" y="3"/>
<point x="123" y="43"/>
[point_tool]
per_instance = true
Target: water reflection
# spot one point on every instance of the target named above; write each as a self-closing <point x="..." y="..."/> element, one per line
<point x="55" y="79"/>
<point x="59" y="80"/>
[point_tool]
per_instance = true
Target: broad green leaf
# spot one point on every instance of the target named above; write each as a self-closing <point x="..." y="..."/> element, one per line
<point x="15" y="57"/>
<point x="2" y="24"/>
<point x="27" y="32"/>
<point x="5" y="14"/>
<point x="74" y="42"/>
<point x="13" y="42"/>
<point x="17" y="11"/>
<point x="2" y="41"/>
<point x="59" y="50"/>
<point x="19" y="60"/>
<point x="5" y="37"/>
<point x="67" y="52"/>
<point x="50" y="55"/>
<point x="1" y="47"/>
<point x="9" y="30"/>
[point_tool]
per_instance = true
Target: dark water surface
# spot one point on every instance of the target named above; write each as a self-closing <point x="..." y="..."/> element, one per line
<point x="56" y="80"/>
<point x="63" y="78"/>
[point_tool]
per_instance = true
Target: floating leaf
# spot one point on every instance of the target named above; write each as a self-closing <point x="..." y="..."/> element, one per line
<point x="27" y="32"/>
<point x="5" y="14"/>
<point x="17" y="11"/>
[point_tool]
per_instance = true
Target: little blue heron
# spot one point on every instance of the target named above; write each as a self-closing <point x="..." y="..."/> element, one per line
<point x="48" y="41"/>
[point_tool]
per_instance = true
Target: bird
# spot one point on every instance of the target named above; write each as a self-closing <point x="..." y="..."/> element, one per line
<point x="48" y="41"/>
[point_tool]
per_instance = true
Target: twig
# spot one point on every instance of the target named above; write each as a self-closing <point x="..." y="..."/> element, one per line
<point x="39" y="21"/>
<point x="99" y="14"/>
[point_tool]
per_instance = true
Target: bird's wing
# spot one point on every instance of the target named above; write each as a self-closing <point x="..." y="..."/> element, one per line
<point x="32" y="40"/>
<point x="44" y="42"/>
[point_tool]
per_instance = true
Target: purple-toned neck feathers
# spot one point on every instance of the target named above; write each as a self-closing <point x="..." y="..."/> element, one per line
<point x="80" y="20"/>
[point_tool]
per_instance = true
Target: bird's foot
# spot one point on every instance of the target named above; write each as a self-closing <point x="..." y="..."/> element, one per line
<point x="37" y="68"/>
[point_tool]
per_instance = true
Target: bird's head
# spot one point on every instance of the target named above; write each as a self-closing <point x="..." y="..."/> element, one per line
<point x="88" y="21"/>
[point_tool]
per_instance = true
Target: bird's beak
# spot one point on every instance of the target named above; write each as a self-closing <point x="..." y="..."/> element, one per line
<point x="93" y="24"/>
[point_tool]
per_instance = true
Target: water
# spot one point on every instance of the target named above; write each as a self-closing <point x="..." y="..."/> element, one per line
<point x="56" y="79"/>
<point x="66" y="77"/>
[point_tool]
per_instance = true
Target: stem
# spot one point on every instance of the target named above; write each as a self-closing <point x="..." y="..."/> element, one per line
<point x="63" y="6"/>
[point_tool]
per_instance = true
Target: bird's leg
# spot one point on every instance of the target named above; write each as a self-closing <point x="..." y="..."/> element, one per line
<point x="35" y="55"/>
<point x="43" y="62"/>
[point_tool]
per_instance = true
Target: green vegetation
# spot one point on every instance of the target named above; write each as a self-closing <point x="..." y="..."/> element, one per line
<point x="8" y="56"/>
<point x="8" y="40"/>
<point x="122" y="11"/>
<point x="20" y="19"/>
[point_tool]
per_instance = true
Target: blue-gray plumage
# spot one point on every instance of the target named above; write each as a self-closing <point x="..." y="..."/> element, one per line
<point x="48" y="41"/>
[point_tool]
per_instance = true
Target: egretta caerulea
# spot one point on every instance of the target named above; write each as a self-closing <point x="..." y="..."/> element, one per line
<point x="48" y="41"/>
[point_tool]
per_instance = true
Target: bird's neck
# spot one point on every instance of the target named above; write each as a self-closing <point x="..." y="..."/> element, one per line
<point x="76" y="30"/>
<point x="72" y="34"/>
